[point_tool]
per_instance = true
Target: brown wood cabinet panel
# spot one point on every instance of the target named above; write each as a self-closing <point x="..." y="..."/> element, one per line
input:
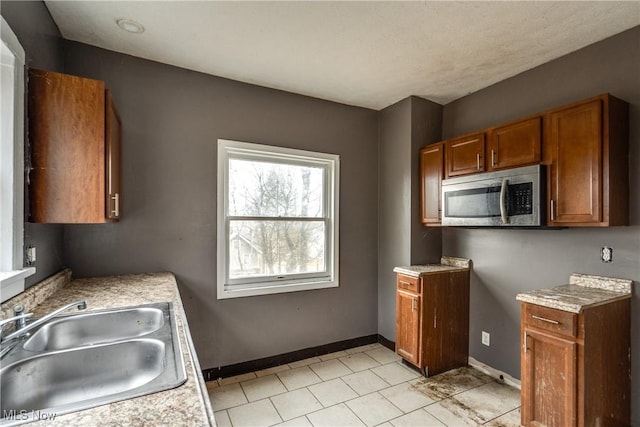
<point x="70" y="119"/>
<point x="431" y="175"/>
<point x="465" y="155"/>
<point x="580" y="380"/>
<point x="515" y="144"/>
<point x="576" y="175"/>
<point x="408" y="326"/>
<point x="432" y="325"/>
<point x="550" y="319"/>
<point x="549" y="384"/>
<point x="586" y="147"/>
<point x="604" y="388"/>
<point x="113" y="140"/>
<point x="408" y="283"/>
<point x="445" y="322"/>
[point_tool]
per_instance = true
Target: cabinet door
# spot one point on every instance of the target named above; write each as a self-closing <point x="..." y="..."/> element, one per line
<point x="66" y="132"/>
<point x="431" y="173"/>
<point x="549" y="380"/>
<point x="113" y="139"/>
<point x="516" y="144"/>
<point x="575" y="142"/>
<point x="465" y="155"/>
<point x="408" y="326"/>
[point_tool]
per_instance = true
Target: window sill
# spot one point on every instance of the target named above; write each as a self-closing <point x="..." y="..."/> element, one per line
<point x="230" y="292"/>
<point x="12" y="282"/>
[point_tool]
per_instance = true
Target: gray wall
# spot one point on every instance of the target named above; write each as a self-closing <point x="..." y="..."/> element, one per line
<point x="171" y="120"/>
<point x="507" y="261"/>
<point x="405" y="127"/>
<point x="41" y="41"/>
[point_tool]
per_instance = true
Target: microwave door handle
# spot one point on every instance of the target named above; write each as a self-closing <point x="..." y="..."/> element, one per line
<point x="503" y="201"/>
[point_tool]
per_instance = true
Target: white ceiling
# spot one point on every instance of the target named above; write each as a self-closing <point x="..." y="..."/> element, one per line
<point x="369" y="54"/>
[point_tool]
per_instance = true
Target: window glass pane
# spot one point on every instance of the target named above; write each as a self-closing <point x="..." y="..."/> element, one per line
<point x="268" y="248"/>
<point x="273" y="189"/>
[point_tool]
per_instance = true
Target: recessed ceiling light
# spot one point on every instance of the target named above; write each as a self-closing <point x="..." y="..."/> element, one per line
<point x="130" y="25"/>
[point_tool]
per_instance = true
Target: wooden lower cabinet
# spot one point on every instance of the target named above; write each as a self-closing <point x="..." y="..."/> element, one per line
<point x="408" y="326"/>
<point x="432" y="320"/>
<point x="576" y="367"/>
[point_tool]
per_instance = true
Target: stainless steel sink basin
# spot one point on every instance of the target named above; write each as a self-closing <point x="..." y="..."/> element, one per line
<point x="95" y="327"/>
<point x="90" y="359"/>
<point x="59" y="378"/>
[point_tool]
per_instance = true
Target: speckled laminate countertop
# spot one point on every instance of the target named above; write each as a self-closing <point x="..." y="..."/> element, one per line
<point x="446" y="264"/>
<point x="583" y="291"/>
<point x="186" y="405"/>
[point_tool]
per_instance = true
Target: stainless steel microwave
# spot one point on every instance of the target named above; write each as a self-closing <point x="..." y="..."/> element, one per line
<point x="512" y="198"/>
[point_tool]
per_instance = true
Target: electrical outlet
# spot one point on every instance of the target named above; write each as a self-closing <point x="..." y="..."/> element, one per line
<point x="486" y="338"/>
<point x="30" y="255"/>
<point x="606" y="254"/>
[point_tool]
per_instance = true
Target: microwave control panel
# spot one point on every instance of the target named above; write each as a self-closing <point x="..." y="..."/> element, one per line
<point x="520" y="199"/>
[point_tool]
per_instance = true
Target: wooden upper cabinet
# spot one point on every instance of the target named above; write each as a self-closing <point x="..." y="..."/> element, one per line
<point x="74" y="134"/>
<point x="431" y="175"/>
<point x="465" y="155"/>
<point x="113" y="140"/>
<point x="515" y="144"/>
<point x="586" y="146"/>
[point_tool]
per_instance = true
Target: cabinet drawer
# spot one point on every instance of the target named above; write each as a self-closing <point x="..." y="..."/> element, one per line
<point x="550" y="319"/>
<point x="408" y="283"/>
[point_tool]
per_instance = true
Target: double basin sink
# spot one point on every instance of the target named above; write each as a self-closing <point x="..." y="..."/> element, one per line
<point x="80" y="361"/>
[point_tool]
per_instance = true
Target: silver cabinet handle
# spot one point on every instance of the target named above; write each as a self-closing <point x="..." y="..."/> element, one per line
<point x="116" y="204"/>
<point x="478" y="161"/>
<point x="414" y="304"/>
<point x="555" y="322"/>
<point x="553" y="209"/>
<point x="493" y="158"/>
<point x="503" y="201"/>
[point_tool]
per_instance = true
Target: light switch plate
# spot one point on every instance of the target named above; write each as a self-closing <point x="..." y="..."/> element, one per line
<point x="486" y="338"/>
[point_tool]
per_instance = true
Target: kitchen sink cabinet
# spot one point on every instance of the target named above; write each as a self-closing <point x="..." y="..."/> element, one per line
<point x="515" y="144"/>
<point x="431" y="175"/>
<point x="586" y="148"/>
<point x="75" y="139"/>
<point x="575" y="367"/>
<point x="432" y="320"/>
<point x="465" y="155"/>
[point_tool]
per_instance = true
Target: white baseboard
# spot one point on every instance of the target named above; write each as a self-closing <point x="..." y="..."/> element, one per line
<point x="492" y="372"/>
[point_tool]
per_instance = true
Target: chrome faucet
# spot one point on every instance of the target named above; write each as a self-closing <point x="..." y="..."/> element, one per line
<point x="24" y="330"/>
<point x="19" y="320"/>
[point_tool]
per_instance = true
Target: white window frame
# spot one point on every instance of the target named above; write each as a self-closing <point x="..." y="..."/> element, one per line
<point x="227" y="288"/>
<point x="12" y="273"/>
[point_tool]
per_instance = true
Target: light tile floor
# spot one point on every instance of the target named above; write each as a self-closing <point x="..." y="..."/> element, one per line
<point x="362" y="386"/>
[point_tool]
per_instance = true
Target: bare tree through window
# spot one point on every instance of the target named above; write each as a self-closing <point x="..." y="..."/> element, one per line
<point x="278" y="226"/>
